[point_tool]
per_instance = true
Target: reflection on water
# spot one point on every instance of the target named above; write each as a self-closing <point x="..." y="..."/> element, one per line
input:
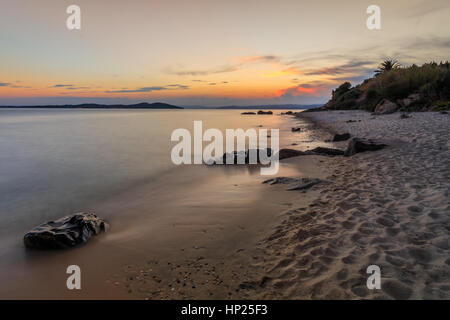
<point x="56" y="162"/>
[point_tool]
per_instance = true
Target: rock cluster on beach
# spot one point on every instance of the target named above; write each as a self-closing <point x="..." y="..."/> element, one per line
<point x="66" y="232"/>
<point x="355" y="145"/>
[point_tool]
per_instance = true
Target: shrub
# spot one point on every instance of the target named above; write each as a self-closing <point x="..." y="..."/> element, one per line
<point x="431" y="80"/>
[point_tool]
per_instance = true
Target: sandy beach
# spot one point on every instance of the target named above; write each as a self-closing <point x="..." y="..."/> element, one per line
<point x="388" y="208"/>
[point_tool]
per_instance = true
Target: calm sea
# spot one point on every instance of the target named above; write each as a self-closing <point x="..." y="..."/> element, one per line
<point x="54" y="162"/>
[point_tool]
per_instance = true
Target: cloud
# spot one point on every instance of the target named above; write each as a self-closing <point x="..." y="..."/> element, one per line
<point x="4" y="84"/>
<point x="77" y="88"/>
<point x="349" y="67"/>
<point x="236" y="64"/>
<point x="62" y="85"/>
<point x="178" y="86"/>
<point x="305" y="89"/>
<point x="259" y="58"/>
<point x="284" y="72"/>
<point x="150" y="89"/>
<point x="205" y="72"/>
<point x="425" y="8"/>
<point x="431" y="42"/>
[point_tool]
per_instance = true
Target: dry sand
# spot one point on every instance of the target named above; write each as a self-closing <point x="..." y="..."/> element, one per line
<point x="388" y="208"/>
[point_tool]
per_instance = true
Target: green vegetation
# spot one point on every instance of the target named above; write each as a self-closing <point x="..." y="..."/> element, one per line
<point x="387" y="65"/>
<point x="413" y="88"/>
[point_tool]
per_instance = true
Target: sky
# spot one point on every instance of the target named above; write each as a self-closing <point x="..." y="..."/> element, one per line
<point x="207" y="52"/>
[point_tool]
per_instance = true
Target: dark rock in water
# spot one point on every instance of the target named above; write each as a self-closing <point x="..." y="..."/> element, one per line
<point x="294" y="183"/>
<point x="65" y="232"/>
<point x="264" y="112"/>
<point x="249" y="112"/>
<point x="341" y="137"/>
<point x="246" y="155"/>
<point x="356" y="145"/>
<point x="326" y="151"/>
<point x="404" y="116"/>
<point x="296" y="129"/>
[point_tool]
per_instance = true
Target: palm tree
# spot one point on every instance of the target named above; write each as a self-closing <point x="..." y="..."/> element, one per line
<point x="386" y="65"/>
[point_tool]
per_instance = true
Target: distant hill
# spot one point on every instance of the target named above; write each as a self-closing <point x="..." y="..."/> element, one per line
<point x="143" y="105"/>
<point x="261" y="107"/>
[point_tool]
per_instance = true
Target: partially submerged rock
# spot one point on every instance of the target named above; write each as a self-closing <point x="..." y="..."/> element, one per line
<point x="341" y="137"/>
<point x="248" y="155"/>
<point x="357" y="145"/>
<point x="248" y="113"/>
<point x="294" y="183"/>
<point x="264" y="112"/>
<point x="66" y="232"/>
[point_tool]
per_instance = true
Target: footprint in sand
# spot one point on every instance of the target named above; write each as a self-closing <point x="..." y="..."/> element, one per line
<point x="396" y="289"/>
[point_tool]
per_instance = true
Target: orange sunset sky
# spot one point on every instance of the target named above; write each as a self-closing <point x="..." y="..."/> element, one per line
<point x="207" y="52"/>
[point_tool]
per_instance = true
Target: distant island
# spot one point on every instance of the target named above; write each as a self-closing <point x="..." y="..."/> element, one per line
<point x="143" y="105"/>
<point x="161" y="105"/>
<point x="259" y="107"/>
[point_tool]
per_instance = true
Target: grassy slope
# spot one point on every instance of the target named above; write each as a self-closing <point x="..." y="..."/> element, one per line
<point x="431" y="83"/>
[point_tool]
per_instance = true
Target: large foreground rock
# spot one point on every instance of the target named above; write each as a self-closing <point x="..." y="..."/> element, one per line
<point x="356" y="145"/>
<point x="65" y="232"/>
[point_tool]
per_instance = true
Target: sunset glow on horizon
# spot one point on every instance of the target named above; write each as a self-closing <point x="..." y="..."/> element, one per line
<point x="207" y="53"/>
